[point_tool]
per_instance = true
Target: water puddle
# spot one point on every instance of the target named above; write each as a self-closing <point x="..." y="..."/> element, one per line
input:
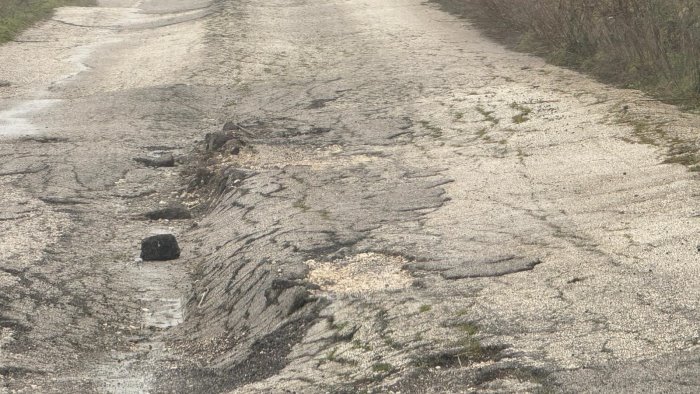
<point x="166" y="312"/>
<point x="162" y="293"/>
<point x="125" y="381"/>
<point x="78" y="60"/>
<point x="161" y="289"/>
<point x="15" y="121"/>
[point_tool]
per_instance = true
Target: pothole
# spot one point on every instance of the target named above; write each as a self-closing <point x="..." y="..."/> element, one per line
<point x="361" y="273"/>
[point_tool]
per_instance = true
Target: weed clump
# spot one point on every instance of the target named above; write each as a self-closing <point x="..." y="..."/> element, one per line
<point x="523" y="115"/>
<point x="653" y="45"/>
<point x="17" y="15"/>
<point x="382" y="367"/>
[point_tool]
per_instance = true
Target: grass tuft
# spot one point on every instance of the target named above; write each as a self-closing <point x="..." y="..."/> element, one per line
<point x="488" y="115"/>
<point x="17" y="15"/>
<point x="382" y="367"/>
<point x="521" y="117"/>
<point x="652" y="45"/>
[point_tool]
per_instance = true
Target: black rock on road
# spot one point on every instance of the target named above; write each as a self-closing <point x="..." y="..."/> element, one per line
<point x="160" y="247"/>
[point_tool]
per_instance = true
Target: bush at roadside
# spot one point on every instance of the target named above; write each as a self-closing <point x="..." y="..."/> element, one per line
<point x="653" y="45"/>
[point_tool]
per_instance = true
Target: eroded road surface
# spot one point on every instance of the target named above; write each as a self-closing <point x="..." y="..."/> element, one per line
<point x="406" y="206"/>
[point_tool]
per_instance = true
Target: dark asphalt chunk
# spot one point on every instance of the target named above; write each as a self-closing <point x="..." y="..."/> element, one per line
<point x="216" y="140"/>
<point x="160" y="247"/>
<point x="171" y="213"/>
<point x="165" y="160"/>
<point x="476" y="267"/>
<point x="484" y="268"/>
<point x="61" y="200"/>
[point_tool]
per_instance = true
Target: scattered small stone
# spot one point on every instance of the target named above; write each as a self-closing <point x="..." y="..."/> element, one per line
<point x="4" y="83"/>
<point x="165" y="160"/>
<point x="170" y="213"/>
<point x="160" y="247"/>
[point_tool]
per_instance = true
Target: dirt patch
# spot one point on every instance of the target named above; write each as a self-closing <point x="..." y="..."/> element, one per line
<point x="362" y="273"/>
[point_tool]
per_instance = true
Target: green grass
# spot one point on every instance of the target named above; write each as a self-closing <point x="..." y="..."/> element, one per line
<point x="471" y="346"/>
<point x="434" y="130"/>
<point x="522" y="117"/>
<point x="468" y="328"/>
<point x="488" y="115"/>
<point x="483" y="134"/>
<point x="357" y="344"/>
<point x="652" y="45"/>
<point x="17" y="15"/>
<point x="331" y="356"/>
<point x="301" y="204"/>
<point x="382" y="367"/>
<point x="392" y="343"/>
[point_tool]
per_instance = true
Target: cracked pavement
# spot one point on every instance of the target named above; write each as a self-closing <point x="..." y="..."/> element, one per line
<point x="414" y="209"/>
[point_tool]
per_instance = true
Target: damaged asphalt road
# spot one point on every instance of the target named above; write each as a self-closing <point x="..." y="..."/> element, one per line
<point x="404" y="206"/>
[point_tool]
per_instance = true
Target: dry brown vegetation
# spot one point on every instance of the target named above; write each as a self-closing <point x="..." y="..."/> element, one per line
<point x="653" y="45"/>
<point x="17" y="15"/>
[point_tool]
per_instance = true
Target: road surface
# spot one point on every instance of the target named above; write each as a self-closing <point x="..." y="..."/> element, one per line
<point x="413" y="208"/>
